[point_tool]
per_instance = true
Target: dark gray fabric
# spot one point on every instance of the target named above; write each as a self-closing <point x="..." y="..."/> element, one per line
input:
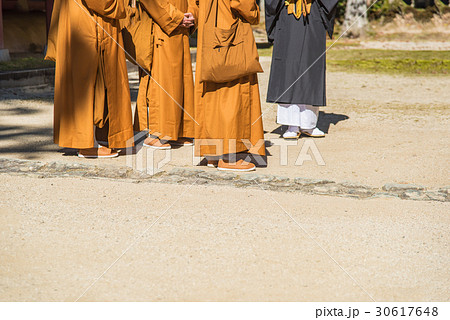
<point x="297" y="75"/>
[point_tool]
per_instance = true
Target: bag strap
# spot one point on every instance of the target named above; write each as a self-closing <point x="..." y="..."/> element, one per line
<point x="217" y="11"/>
<point x="209" y="12"/>
<point x="213" y="10"/>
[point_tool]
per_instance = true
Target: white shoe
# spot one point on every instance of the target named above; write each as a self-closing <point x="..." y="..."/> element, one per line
<point x="314" y="133"/>
<point x="292" y="132"/>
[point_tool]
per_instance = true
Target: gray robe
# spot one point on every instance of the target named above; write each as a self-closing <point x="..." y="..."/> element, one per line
<point x="297" y="75"/>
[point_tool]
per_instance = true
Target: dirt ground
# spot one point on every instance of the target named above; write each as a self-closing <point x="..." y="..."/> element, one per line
<point x="380" y="129"/>
<point x="198" y="243"/>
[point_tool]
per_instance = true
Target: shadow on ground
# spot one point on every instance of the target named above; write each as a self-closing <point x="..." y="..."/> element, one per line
<point x="26" y="141"/>
<point x="42" y="93"/>
<point x="325" y="120"/>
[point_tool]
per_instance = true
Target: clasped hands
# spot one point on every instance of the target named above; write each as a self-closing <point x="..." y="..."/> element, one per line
<point x="188" y="20"/>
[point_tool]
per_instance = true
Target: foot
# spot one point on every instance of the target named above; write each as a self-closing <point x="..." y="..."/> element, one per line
<point x="314" y="133"/>
<point x="183" y="142"/>
<point x="155" y="143"/>
<point x="101" y="152"/>
<point x="212" y="163"/>
<point x="103" y="143"/>
<point x="240" y="165"/>
<point x="292" y="132"/>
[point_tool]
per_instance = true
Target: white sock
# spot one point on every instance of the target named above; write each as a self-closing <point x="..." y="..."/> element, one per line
<point x="309" y="116"/>
<point x="293" y="129"/>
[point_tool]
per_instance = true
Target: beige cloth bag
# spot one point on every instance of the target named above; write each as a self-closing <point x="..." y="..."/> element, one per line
<point x="227" y="54"/>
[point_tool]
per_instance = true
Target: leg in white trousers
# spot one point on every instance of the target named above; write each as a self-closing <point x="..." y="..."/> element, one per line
<point x="299" y="117"/>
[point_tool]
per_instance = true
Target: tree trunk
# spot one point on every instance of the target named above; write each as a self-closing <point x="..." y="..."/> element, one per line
<point x="355" y="18"/>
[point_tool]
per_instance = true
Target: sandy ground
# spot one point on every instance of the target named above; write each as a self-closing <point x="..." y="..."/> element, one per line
<point x="381" y="129"/>
<point x="197" y="243"/>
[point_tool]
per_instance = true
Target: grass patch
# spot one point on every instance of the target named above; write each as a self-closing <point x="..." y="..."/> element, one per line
<point x="390" y="61"/>
<point x="266" y="52"/>
<point x="368" y="54"/>
<point x="407" y="66"/>
<point x="385" y="61"/>
<point x="25" y="62"/>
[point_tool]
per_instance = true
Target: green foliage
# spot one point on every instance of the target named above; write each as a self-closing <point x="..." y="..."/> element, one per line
<point x="379" y="9"/>
<point x="441" y="7"/>
<point x="385" y="12"/>
<point x="382" y="9"/>
<point x="340" y="11"/>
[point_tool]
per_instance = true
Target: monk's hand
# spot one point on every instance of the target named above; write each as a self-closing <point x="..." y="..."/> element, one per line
<point x="188" y="20"/>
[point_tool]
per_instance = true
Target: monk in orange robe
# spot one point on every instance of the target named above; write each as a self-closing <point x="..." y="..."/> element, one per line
<point x="91" y="81"/>
<point x="228" y="112"/>
<point x="168" y="94"/>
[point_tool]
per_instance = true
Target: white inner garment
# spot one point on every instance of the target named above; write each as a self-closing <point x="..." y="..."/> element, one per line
<point x="301" y="115"/>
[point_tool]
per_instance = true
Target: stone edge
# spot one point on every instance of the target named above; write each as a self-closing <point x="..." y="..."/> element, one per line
<point x="202" y="177"/>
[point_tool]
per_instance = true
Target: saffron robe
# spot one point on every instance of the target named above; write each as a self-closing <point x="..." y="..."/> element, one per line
<point x="229" y="112"/>
<point x="169" y="92"/>
<point x="91" y="80"/>
<point x="297" y="74"/>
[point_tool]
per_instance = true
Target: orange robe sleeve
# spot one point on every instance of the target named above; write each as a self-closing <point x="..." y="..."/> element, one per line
<point x="166" y="15"/>
<point x="247" y="9"/>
